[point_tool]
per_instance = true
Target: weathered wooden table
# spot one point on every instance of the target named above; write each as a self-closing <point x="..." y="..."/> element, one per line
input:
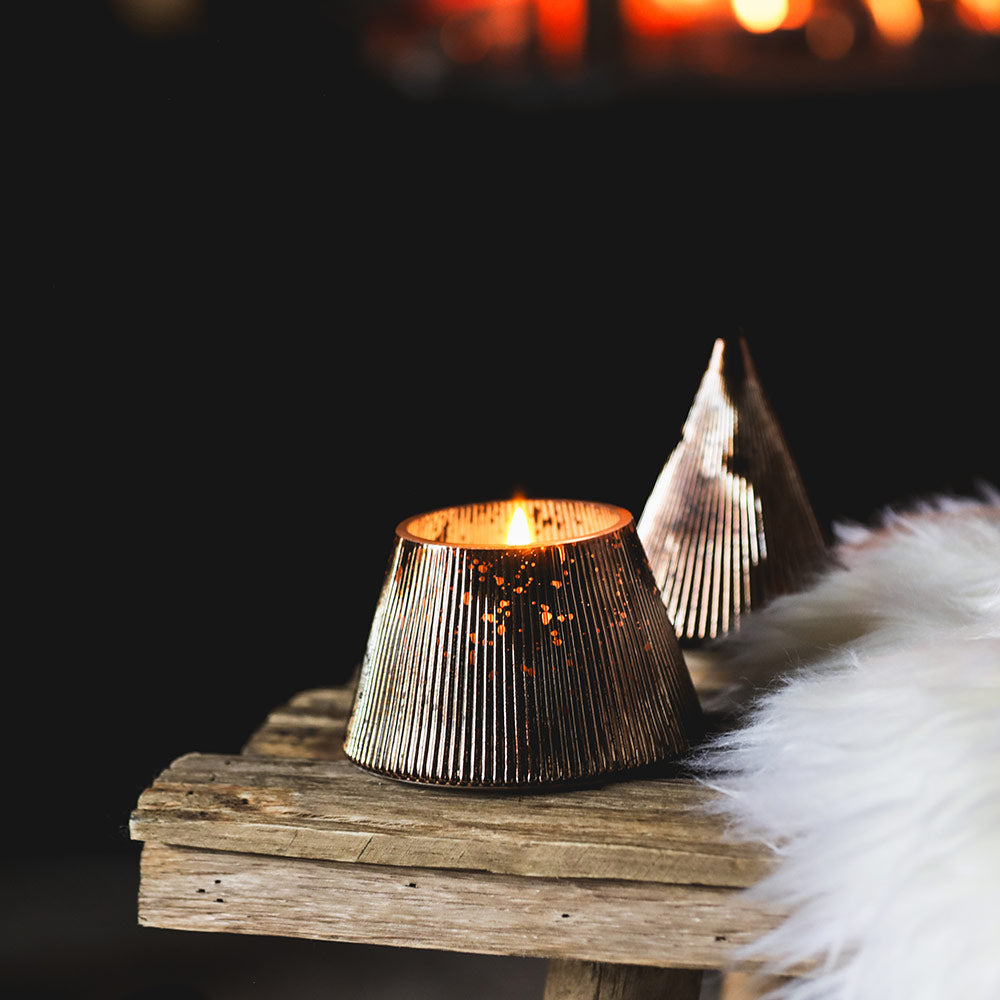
<point x="628" y="889"/>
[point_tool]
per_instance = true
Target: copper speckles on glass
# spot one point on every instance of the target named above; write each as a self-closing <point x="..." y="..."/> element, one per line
<point x="497" y="665"/>
<point x="728" y="525"/>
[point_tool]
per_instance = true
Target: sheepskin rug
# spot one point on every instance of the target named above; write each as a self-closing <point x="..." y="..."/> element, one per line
<point x="865" y="749"/>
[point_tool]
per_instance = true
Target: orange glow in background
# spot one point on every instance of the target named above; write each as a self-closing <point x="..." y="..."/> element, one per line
<point x="981" y="15"/>
<point x="562" y="29"/>
<point x="898" y="21"/>
<point x="471" y="30"/>
<point x="760" y="16"/>
<point x="663" y="17"/>
<point x="830" y="34"/>
<point x="799" y="12"/>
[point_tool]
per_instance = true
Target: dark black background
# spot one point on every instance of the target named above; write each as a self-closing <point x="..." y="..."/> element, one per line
<point x="275" y="307"/>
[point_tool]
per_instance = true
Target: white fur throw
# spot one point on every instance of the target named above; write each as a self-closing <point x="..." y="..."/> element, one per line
<point x="866" y="751"/>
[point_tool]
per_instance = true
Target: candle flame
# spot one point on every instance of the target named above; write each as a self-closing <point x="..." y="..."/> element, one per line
<point x="518" y="533"/>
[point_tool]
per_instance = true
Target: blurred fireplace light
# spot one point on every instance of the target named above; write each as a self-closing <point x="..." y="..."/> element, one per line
<point x="799" y="13"/>
<point x="830" y="34"/>
<point x="522" y="43"/>
<point x="652" y="18"/>
<point x="562" y="30"/>
<point x="472" y="29"/>
<point x="980" y="15"/>
<point x="898" y="21"/>
<point x="760" y="16"/>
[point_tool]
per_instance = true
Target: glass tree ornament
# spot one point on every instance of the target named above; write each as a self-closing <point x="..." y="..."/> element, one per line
<point x="728" y="525"/>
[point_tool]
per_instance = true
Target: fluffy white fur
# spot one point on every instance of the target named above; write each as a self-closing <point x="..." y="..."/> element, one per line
<point x="867" y="753"/>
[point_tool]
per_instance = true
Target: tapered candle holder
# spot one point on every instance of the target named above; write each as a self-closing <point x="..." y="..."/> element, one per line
<point x="509" y="665"/>
<point x="728" y="525"/>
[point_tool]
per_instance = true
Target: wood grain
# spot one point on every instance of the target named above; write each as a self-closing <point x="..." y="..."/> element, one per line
<point x="595" y="920"/>
<point x="311" y="726"/>
<point x="290" y="839"/>
<point x="648" y="830"/>
<point x="569" y="979"/>
<point x="750" y="985"/>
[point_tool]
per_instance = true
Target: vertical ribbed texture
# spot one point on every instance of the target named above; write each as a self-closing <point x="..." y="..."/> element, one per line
<point x="728" y="524"/>
<point x="533" y="665"/>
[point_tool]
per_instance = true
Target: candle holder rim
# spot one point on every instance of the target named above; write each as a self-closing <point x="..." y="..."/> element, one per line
<point x="623" y="519"/>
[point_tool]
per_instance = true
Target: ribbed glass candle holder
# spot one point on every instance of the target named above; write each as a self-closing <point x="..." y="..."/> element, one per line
<point x="510" y="665"/>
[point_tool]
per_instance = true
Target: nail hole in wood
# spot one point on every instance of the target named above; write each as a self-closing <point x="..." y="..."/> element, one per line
<point x="411" y="885"/>
<point x="220" y="900"/>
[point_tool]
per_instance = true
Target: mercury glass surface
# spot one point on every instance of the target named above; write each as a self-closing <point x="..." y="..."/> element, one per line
<point x="501" y="665"/>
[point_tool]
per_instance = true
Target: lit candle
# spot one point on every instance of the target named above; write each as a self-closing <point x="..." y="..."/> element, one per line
<point x="520" y="644"/>
<point x="519" y="533"/>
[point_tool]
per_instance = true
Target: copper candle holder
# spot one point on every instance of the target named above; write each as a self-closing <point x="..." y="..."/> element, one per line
<point x="728" y="525"/>
<point x="497" y="664"/>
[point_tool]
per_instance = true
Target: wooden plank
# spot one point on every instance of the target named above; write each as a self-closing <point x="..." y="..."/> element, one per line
<point x="311" y="726"/>
<point x="592" y="920"/>
<point x="569" y="979"/>
<point x="750" y="985"/>
<point x="641" y="830"/>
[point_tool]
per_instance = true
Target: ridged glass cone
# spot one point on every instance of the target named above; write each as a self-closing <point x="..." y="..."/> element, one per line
<point x="501" y="665"/>
<point x="728" y="525"/>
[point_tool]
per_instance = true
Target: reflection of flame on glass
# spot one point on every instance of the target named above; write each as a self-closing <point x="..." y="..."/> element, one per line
<point x="518" y="533"/>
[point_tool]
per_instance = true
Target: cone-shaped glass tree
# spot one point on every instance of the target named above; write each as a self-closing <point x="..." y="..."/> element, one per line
<point x="728" y="525"/>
